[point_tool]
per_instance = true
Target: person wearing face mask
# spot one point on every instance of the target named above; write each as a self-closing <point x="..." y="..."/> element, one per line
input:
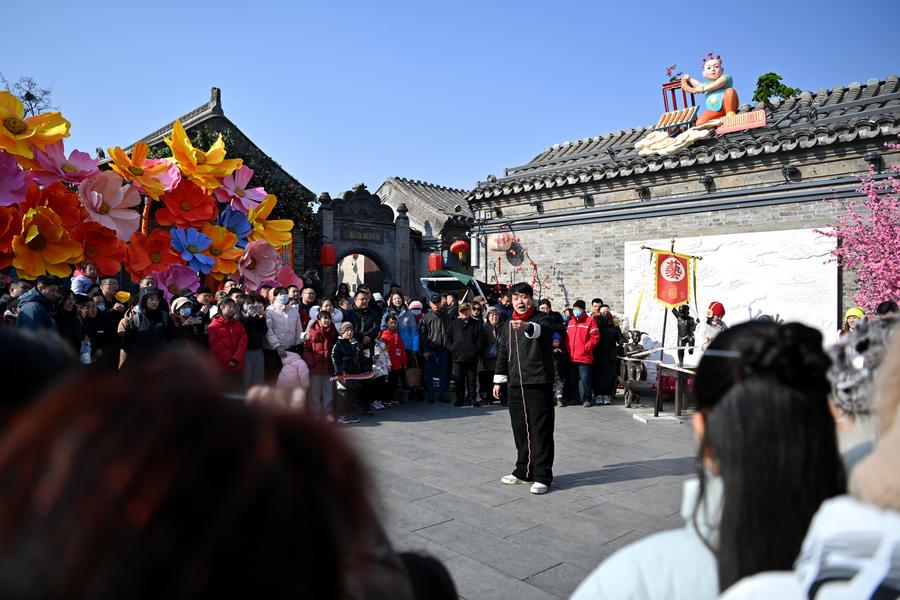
<point x="582" y="336"/>
<point x="253" y="318"/>
<point x="606" y="355"/>
<point x="408" y="325"/>
<point x="285" y="331"/>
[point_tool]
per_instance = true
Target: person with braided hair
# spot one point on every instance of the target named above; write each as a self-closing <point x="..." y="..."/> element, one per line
<point x="767" y="459"/>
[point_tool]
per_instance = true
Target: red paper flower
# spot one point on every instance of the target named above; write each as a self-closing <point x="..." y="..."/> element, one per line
<point x="60" y="198"/>
<point x="10" y="226"/>
<point x="100" y="246"/>
<point x="151" y="254"/>
<point x="187" y="206"/>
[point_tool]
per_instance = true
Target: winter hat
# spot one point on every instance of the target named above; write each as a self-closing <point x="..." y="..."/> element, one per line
<point x="345" y="326"/>
<point x="718" y="310"/>
<point x="580" y="304"/>
<point x="856" y="311"/>
<point x="434" y="299"/>
<point x="556" y="336"/>
<point x="415" y="304"/>
<point x="179" y="303"/>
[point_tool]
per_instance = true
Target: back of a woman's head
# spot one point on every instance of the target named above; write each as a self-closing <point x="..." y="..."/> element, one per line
<point x="152" y="485"/>
<point x="776" y="451"/>
<point x="30" y="362"/>
<point x="790" y="354"/>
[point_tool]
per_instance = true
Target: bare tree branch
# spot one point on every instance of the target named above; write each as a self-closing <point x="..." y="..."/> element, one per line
<point x="35" y="98"/>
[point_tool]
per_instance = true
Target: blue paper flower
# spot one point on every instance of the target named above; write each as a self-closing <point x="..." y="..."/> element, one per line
<point x="236" y="222"/>
<point x="191" y="243"/>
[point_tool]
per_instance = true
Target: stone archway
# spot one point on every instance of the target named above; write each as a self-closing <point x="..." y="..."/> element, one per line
<point x="362" y="267"/>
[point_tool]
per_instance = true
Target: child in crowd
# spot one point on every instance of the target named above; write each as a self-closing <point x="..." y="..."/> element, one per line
<point x="322" y="337"/>
<point x="228" y="343"/>
<point x="346" y="359"/>
<point x="393" y="345"/>
<point x="84" y="278"/>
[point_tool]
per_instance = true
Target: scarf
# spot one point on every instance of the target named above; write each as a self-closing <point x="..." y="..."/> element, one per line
<point x="524" y="317"/>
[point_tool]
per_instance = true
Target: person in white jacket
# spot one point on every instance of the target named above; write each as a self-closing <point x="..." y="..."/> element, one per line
<point x="284" y="332"/>
<point x="767" y="458"/>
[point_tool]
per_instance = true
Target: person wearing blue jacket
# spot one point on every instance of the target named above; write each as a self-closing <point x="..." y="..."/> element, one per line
<point x="34" y="305"/>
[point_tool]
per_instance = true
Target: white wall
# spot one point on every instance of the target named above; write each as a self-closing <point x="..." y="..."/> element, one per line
<point x="784" y="273"/>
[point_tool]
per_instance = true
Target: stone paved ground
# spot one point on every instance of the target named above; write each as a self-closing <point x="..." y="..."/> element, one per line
<point x="436" y="472"/>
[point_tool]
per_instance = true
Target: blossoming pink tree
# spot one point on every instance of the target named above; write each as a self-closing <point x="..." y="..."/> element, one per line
<point x="868" y="235"/>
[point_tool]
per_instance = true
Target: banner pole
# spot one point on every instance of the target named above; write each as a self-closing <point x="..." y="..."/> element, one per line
<point x="658" y="403"/>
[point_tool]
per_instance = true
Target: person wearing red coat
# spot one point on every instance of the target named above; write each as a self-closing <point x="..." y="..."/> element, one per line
<point x="582" y="335"/>
<point x="321" y="338"/>
<point x="228" y="343"/>
<point x="393" y="345"/>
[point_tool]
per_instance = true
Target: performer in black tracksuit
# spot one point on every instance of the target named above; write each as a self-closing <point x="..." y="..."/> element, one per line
<point x="525" y="362"/>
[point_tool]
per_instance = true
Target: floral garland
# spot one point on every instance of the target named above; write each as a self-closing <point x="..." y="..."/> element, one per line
<point x="59" y="211"/>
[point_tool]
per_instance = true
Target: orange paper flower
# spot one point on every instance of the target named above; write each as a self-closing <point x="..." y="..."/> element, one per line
<point x="151" y="254"/>
<point x="277" y="233"/>
<point x="222" y="249"/>
<point x="187" y="206"/>
<point x="60" y="198"/>
<point x="101" y="246"/>
<point x="44" y="246"/>
<point x="10" y="226"/>
<point x="154" y="177"/>
<point x="20" y="136"/>
<point x="206" y="169"/>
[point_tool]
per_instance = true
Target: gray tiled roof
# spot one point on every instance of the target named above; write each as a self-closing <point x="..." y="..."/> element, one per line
<point x="444" y="200"/>
<point x="841" y="114"/>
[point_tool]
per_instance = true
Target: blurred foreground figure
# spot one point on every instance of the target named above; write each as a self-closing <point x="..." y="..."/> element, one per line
<point x="152" y="485"/>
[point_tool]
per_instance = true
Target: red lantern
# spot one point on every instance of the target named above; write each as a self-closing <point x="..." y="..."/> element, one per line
<point x="327" y="255"/>
<point x="435" y="262"/>
<point x="460" y="247"/>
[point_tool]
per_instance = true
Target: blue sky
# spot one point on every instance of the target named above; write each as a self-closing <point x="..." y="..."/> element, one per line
<point x="446" y="92"/>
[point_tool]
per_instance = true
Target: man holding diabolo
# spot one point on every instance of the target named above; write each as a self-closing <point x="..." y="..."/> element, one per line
<point x="525" y="362"/>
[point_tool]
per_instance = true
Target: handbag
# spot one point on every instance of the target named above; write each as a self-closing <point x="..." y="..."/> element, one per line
<point x="413" y="375"/>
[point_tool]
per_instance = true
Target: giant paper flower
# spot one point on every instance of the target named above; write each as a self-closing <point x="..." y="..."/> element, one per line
<point x="13" y="183"/>
<point x="236" y="222"/>
<point x="259" y="262"/>
<point x="177" y="278"/>
<point x="234" y="191"/>
<point x="277" y="233"/>
<point x="187" y="206"/>
<point x="10" y="226"/>
<point x="154" y="177"/>
<point x="111" y="203"/>
<point x="191" y="244"/>
<point x="20" y="136"/>
<point x="222" y="249"/>
<point x="203" y="168"/>
<point x="60" y="198"/>
<point x="150" y="253"/>
<point x="100" y="246"/>
<point x="56" y="167"/>
<point x="44" y="246"/>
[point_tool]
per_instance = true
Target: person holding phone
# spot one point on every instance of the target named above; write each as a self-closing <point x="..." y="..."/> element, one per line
<point x="253" y="317"/>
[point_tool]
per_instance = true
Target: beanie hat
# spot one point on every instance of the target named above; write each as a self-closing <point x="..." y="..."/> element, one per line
<point x="718" y="310"/>
<point x="556" y="336"/>
<point x="345" y="326"/>
<point x="856" y="311"/>
<point x="415" y="304"/>
<point x="178" y="303"/>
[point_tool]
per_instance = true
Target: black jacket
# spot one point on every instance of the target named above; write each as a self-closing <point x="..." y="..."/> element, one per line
<point x="148" y="332"/>
<point x="366" y="323"/>
<point x="256" y="331"/>
<point x="347" y="357"/>
<point x="526" y="357"/>
<point x="465" y="339"/>
<point x="433" y="332"/>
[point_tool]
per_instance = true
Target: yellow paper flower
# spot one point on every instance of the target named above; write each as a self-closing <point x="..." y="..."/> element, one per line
<point x="44" y="246"/>
<point x="19" y="135"/>
<point x="203" y="168"/>
<point x="277" y="233"/>
<point x="222" y="249"/>
<point x="153" y="177"/>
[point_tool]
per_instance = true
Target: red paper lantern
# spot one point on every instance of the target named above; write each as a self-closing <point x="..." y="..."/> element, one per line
<point x="460" y="247"/>
<point x="327" y="255"/>
<point x="435" y="262"/>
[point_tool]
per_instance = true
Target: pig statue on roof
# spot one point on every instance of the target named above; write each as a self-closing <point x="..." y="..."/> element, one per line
<point x="721" y="99"/>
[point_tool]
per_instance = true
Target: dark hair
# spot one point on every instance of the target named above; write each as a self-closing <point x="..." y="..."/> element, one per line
<point x="293" y="286"/>
<point x="111" y="278"/>
<point x="45" y="281"/>
<point x="428" y="576"/>
<point x="545" y="302"/>
<point x="307" y="287"/>
<point x="30" y="361"/>
<point x="762" y="389"/>
<point x="390" y="317"/>
<point x="162" y="475"/>
<point x="521" y="288"/>
<point x="343" y="286"/>
<point x="17" y="281"/>
<point x="324" y="313"/>
<point x="777" y="454"/>
<point x="279" y="290"/>
<point x="360" y="292"/>
<point x="203" y="290"/>
<point x="225" y="302"/>
<point x="887" y="307"/>
<point x="82" y="300"/>
<point x="597" y="301"/>
<point x="265" y="286"/>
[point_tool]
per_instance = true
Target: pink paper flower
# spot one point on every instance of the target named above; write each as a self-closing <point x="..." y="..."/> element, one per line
<point x="75" y="169"/>
<point x="13" y="182"/>
<point x="170" y="178"/>
<point x="111" y="204"/>
<point x="234" y="190"/>
<point x="286" y="277"/>
<point x="259" y="262"/>
<point x="176" y="278"/>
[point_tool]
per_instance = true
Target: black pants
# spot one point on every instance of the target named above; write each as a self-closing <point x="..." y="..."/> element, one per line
<point x="532" y="424"/>
<point x="466" y="376"/>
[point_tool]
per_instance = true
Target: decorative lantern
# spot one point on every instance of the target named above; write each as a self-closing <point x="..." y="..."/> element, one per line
<point x="460" y="247"/>
<point x="435" y="262"/>
<point x="327" y="255"/>
<point x="500" y="242"/>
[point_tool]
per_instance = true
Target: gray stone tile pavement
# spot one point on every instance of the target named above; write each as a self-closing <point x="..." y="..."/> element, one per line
<point x="435" y="483"/>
